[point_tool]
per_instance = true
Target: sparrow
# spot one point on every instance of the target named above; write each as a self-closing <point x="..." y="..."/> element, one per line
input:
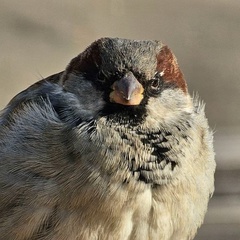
<point x="113" y="147"/>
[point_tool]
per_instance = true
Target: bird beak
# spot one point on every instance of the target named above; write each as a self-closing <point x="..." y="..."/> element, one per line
<point x="127" y="91"/>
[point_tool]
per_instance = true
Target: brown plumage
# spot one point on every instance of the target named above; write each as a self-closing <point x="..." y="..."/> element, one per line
<point x="113" y="147"/>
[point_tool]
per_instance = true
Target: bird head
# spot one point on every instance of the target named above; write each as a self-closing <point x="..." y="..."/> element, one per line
<point x="127" y="76"/>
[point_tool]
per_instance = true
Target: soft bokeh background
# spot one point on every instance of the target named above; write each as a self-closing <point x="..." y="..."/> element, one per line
<point x="38" y="38"/>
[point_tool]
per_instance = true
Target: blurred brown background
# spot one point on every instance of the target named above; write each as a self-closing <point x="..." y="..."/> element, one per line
<point x="38" y="38"/>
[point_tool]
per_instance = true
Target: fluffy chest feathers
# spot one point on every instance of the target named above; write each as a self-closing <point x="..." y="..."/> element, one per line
<point x="140" y="174"/>
<point x="136" y="153"/>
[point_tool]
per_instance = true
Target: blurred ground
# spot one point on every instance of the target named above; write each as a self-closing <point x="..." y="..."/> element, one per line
<point x="38" y="38"/>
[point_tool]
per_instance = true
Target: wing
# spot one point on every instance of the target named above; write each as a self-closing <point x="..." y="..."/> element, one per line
<point x="34" y="149"/>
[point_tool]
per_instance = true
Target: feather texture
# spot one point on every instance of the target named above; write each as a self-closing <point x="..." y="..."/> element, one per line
<point x="75" y="165"/>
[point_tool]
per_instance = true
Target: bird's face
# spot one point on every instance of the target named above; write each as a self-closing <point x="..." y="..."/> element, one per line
<point x="137" y="96"/>
<point x="128" y="77"/>
<point x="131" y="106"/>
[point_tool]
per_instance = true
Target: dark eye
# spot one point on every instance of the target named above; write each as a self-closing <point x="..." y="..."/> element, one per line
<point x="154" y="86"/>
<point x="101" y="77"/>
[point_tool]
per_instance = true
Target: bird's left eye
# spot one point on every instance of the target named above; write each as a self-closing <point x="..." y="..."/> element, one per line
<point x="155" y="84"/>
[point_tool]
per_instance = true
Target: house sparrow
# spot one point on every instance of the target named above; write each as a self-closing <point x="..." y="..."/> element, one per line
<point x="114" y="147"/>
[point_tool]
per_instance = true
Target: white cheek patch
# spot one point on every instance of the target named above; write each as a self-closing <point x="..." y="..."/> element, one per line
<point x="169" y="107"/>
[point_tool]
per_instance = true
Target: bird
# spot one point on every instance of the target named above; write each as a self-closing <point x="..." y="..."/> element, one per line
<point x="113" y="147"/>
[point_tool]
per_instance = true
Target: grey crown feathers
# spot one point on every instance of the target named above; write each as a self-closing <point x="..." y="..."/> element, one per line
<point x="114" y="147"/>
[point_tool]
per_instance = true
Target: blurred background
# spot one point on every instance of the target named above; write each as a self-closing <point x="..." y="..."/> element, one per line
<point x="39" y="38"/>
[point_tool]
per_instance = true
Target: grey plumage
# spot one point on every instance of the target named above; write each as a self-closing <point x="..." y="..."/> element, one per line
<point x="76" y="164"/>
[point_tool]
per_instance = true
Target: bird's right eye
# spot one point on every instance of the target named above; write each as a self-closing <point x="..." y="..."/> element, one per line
<point x="101" y="77"/>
